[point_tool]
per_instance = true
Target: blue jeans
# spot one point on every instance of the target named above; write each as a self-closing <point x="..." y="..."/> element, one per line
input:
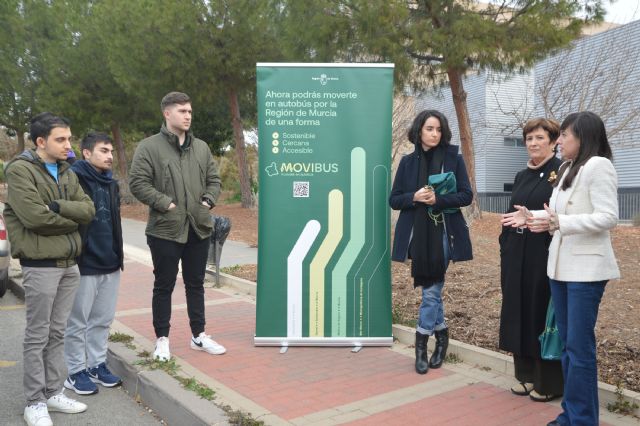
<point x="576" y="305"/>
<point x="431" y="313"/>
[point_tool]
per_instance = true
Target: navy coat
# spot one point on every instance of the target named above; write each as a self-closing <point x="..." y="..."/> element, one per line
<point x="405" y="185"/>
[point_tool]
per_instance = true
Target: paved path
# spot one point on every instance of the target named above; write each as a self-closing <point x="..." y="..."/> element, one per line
<point x="108" y="407"/>
<point x="233" y="252"/>
<point x="377" y="386"/>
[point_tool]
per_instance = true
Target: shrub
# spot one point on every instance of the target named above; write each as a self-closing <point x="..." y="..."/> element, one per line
<point x="228" y="170"/>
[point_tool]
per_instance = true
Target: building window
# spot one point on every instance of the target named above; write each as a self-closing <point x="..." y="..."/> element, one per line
<point x="508" y="187"/>
<point x="513" y="141"/>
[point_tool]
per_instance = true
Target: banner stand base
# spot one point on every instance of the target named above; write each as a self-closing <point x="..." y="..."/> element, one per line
<point x="357" y="343"/>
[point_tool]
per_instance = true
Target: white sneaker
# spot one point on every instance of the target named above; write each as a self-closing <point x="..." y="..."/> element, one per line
<point x="37" y="415"/>
<point x="64" y="404"/>
<point x="205" y="343"/>
<point x="162" y="349"/>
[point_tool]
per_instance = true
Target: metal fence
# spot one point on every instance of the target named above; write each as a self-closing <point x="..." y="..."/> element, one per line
<point x="628" y="202"/>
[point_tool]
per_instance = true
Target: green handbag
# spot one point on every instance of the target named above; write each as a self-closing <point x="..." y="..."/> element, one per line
<point x="442" y="183"/>
<point x="550" y="343"/>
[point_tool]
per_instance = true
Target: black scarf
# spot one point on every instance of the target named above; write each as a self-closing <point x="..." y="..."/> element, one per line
<point x="427" y="253"/>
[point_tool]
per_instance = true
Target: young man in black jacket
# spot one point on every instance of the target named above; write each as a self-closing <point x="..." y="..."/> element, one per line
<point x="85" y="345"/>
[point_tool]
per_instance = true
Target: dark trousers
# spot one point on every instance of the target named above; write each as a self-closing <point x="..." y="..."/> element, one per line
<point x="166" y="255"/>
<point x="546" y="376"/>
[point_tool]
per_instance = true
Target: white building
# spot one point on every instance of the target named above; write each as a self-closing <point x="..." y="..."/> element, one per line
<point x="600" y="73"/>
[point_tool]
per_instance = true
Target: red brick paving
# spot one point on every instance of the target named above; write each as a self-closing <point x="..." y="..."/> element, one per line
<point x="307" y="380"/>
<point x="477" y="404"/>
<point x="136" y="287"/>
<point x="473" y="405"/>
<point x="290" y="385"/>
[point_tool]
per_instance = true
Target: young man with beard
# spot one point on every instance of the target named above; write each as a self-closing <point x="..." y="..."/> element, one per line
<point x="85" y="341"/>
<point x="174" y="174"/>
<point x="45" y="206"/>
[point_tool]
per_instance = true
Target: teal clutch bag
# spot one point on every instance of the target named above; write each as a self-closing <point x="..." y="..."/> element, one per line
<point x="550" y="342"/>
<point x="442" y="183"/>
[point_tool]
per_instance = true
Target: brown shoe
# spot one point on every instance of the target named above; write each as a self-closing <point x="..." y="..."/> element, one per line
<point x="522" y="389"/>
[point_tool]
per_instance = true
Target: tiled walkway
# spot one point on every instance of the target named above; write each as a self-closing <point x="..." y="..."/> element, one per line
<point x="322" y="385"/>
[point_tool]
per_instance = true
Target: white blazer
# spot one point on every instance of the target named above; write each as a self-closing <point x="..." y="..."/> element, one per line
<point x="581" y="248"/>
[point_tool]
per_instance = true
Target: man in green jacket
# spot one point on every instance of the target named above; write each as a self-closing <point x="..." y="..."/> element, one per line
<point x="45" y="205"/>
<point x="174" y="174"/>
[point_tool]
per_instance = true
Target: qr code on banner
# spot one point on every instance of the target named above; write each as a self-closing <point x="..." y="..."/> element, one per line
<point x="300" y="189"/>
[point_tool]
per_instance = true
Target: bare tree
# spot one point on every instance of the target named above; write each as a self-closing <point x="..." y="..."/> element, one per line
<point x="402" y="117"/>
<point x="518" y="109"/>
<point x="594" y="75"/>
<point x="598" y="79"/>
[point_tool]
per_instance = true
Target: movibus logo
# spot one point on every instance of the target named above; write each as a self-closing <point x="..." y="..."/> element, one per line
<point x="308" y="167"/>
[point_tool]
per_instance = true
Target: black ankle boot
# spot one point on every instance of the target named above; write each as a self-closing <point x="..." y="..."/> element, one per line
<point x="440" y="352"/>
<point x="422" y="364"/>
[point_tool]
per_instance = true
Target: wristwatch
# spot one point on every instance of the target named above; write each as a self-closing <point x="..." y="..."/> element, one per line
<point x="208" y="201"/>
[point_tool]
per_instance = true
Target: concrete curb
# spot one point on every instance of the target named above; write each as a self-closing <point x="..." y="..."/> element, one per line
<point x="468" y="354"/>
<point x="240" y="284"/>
<point x="161" y="392"/>
<point x="503" y="364"/>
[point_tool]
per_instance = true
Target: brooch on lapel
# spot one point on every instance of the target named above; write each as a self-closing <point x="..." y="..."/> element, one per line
<point x="552" y="177"/>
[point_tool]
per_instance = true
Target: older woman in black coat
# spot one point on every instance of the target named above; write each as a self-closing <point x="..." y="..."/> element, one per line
<point x="524" y="281"/>
<point x="430" y="230"/>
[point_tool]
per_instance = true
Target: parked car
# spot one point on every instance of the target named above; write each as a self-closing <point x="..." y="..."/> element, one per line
<point x="5" y="257"/>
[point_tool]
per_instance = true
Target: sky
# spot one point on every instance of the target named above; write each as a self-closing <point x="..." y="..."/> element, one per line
<point x="623" y="11"/>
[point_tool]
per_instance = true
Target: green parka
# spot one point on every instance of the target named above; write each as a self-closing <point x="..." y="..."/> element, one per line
<point x="36" y="232"/>
<point x="163" y="172"/>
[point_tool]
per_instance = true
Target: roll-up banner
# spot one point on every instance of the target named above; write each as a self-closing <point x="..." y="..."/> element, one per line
<point x="324" y="134"/>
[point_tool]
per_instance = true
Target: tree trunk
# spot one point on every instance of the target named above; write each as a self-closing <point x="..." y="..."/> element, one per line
<point x="20" y="147"/>
<point x="120" y="150"/>
<point x="238" y="136"/>
<point x="466" y="138"/>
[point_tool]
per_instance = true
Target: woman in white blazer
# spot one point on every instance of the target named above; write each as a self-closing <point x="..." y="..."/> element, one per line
<point x="582" y="210"/>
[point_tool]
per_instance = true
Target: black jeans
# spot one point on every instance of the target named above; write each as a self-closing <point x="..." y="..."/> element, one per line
<point x="166" y="254"/>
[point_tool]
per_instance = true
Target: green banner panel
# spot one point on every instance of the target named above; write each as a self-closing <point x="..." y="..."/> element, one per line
<point x="324" y="273"/>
